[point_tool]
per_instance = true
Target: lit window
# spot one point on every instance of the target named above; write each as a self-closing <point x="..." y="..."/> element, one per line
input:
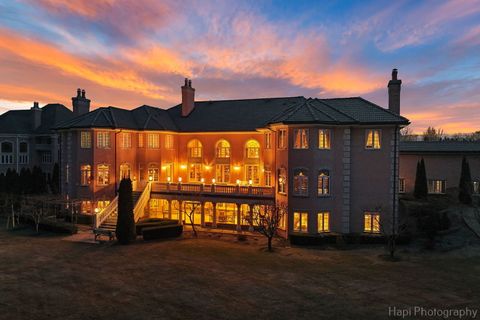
<point x="168" y="168"/>
<point x="282" y="180"/>
<point x="323" y="222"/>
<point x="103" y="174"/>
<point x="222" y="173"/>
<point x="153" y="173"/>
<point x="372" y="222"/>
<point x="401" y="185"/>
<point x="476" y="187"/>
<point x="300" y="183"/>
<point x="140" y="140"/>
<point x="300" y="139"/>
<point x="125" y="171"/>
<point x="253" y="149"/>
<point x="282" y="138"/>
<point x="268" y="140"/>
<point x="268" y="178"/>
<point x="85" y="174"/>
<point x="126" y="140"/>
<point x="323" y="138"/>
<point x="323" y="188"/>
<point x="222" y="149"/>
<point x="195" y="149"/>
<point x="436" y="186"/>
<point x="251" y="173"/>
<point x="103" y="140"/>
<point x="195" y="172"/>
<point x="372" y="139"/>
<point x="102" y="204"/>
<point x="86" y="207"/>
<point x="168" y="141"/>
<point x="153" y="141"/>
<point x="85" y="139"/>
<point x="300" y="221"/>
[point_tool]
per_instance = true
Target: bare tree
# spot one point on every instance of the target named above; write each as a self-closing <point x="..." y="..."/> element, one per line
<point x="189" y="208"/>
<point x="267" y="219"/>
<point x="433" y="134"/>
<point x="37" y="213"/>
<point x="391" y="229"/>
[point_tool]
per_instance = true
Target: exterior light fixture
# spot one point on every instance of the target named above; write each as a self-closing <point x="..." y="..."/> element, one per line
<point x="238" y="181"/>
<point x="97" y="210"/>
<point x="236" y="168"/>
<point x="250" y="182"/>
<point x="202" y="180"/>
<point x="182" y="166"/>
<point x="150" y="178"/>
<point x="169" y="179"/>
<point x="213" y="181"/>
<point x="207" y="167"/>
<point x="179" y="179"/>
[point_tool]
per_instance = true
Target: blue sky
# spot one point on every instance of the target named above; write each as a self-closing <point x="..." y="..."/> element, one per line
<point x="129" y="52"/>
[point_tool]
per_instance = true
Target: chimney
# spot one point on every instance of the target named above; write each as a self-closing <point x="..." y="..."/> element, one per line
<point x="188" y="98"/>
<point x="80" y="103"/>
<point x="36" y="114"/>
<point x="394" y="87"/>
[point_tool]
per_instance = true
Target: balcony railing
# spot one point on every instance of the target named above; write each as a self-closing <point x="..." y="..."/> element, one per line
<point x="213" y="189"/>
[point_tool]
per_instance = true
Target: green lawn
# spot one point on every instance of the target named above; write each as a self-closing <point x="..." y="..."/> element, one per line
<point x="45" y="277"/>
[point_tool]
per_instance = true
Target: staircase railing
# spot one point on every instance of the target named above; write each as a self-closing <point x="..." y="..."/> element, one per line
<point x="142" y="202"/>
<point x="106" y="212"/>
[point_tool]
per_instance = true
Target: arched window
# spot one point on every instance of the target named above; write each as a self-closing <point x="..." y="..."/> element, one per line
<point x="7" y="153"/>
<point x="323" y="183"/>
<point x="125" y="171"/>
<point x="252" y="149"/>
<point x="222" y="149"/>
<point x="85" y="174"/>
<point x="300" y="182"/>
<point x="103" y="174"/>
<point x="153" y="173"/>
<point x="195" y="149"/>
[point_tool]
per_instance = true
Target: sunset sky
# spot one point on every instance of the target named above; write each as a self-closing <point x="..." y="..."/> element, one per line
<point x="127" y="53"/>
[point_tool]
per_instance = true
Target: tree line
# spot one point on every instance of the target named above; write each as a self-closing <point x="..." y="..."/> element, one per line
<point x="33" y="181"/>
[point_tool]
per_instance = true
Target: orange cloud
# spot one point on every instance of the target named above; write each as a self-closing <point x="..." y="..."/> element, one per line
<point x="44" y="54"/>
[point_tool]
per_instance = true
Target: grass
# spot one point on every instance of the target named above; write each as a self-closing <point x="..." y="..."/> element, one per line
<point x="45" y="277"/>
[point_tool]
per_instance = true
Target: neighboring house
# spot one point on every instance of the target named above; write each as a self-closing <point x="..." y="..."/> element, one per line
<point x="443" y="163"/>
<point x="332" y="161"/>
<point x="27" y="138"/>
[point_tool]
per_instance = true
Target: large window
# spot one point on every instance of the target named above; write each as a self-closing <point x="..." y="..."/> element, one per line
<point x="168" y="141"/>
<point x="324" y="138"/>
<point x="268" y="177"/>
<point x="268" y="140"/>
<point x="23" y="155"/>
<point x="85" y="174"/>
<point x="282" y="180"/>
<point x="153" y="141"/>
<point x="103" y="140"/>
<point x="300" y="139"/>
<point x="253" y="149"/>
<point x="251" y="173"/>
<point x="222" y="173"/>
<point x="300" y="182"/>
<point x="372" y="222"/>
<point x="125" y="171"/>
<point x="153" y="173"/>
<point x="168" y="168"/>
<point x="323" y="222"/>
<point x="46" y="157"/>
<point x="323" y="187"/>
<point x="300" y="221"/>
<point x="222" y="149"/>
<point x="195" y="172"/>
<point x="437" y="186"/>
<point x="282" y="138"/>
<point x="373" y="139"/>
<point x="7" y="153"/>
<point x="85" y="139"/>
<point x="140" y="140"/>
<point x="103" y="174"/>
<point x="126" y="140"/>
<point x="195" y="149"/>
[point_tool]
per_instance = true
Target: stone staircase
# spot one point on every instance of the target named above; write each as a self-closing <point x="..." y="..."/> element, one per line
<point x="110" y="224"/>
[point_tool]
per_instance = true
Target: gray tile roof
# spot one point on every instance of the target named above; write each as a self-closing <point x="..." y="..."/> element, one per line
<point x="20" y="121"/>
<point x="445" y="146"/>
<point x="239" y="115"/>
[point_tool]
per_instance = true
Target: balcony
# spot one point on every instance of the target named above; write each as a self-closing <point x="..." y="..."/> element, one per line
<point x="213" y="190"/>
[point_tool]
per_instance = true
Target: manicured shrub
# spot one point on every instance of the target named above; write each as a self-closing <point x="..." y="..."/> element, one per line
<point x="162" y="232"/>
<point x="125" y="230"/>
<point x="465" y="187"/>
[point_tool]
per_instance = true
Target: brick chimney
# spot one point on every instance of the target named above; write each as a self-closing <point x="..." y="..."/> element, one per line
<point x="188" y="98"/>
<point x="80" y="103"/>
<point x="36" y="114"/>
<point x="394" y="87"/>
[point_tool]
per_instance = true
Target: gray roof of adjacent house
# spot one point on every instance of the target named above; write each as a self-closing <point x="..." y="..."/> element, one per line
<point x="239" y="115"/>
<point x="20" y="121"/>
<point x="444" y="146"/>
